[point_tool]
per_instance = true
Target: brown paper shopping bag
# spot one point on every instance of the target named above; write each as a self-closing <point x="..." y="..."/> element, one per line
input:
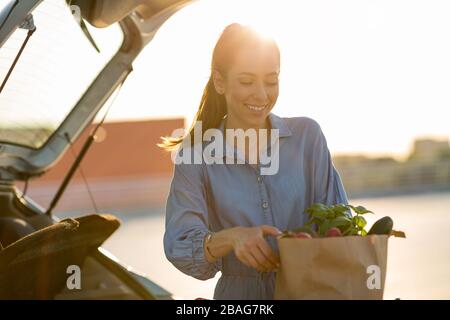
<point x="351" y="267"/>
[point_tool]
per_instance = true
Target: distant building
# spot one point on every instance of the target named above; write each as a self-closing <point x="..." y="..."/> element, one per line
<point x="427" y="168"/>
<point x="429" y="150"/>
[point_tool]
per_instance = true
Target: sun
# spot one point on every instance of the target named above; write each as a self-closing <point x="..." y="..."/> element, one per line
<point x="257" y="14"/>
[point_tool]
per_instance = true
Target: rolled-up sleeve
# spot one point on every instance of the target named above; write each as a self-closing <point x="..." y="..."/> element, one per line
<point x="187" y="223"/>
<point x="328" y="186"/>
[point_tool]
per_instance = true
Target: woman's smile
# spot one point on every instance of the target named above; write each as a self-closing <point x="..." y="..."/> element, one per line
<point x="255" y="107"/>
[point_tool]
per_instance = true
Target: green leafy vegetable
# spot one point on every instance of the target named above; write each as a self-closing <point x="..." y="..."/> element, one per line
<point x="340" y="216"/>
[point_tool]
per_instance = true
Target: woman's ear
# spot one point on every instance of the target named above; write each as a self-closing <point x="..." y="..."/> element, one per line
<point x="219" y="82"/>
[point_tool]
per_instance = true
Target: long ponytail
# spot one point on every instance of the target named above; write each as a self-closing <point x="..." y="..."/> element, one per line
<point x="211" y="111"/>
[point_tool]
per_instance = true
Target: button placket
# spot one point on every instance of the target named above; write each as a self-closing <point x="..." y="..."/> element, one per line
<point x="265" y="205"/>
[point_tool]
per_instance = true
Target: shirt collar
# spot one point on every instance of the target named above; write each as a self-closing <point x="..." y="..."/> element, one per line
<point x="276" y="123"/>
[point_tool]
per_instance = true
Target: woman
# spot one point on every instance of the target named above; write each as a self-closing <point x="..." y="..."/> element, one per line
<point x="224" y="217"/>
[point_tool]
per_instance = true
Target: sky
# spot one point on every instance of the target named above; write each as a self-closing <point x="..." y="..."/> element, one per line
<point x="374" y="74"/>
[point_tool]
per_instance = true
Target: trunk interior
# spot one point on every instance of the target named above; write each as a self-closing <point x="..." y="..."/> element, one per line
<point x="36" y="252"/>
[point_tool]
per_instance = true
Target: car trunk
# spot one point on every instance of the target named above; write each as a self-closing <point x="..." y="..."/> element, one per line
<point x="39" y="255"/>
<point x="36" y="266"/>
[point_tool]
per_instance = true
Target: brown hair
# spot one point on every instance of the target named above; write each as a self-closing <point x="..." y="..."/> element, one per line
<point x="213" y="107"/>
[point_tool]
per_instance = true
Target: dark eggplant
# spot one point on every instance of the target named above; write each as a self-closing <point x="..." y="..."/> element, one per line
<point x="382" y="226"/>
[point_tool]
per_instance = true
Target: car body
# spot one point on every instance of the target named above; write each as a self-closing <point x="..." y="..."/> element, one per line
<point x="39" y="255"/>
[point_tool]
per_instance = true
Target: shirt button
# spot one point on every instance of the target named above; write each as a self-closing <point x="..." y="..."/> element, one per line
<point x="265" y="204"/>
<point x="259" y="179"/>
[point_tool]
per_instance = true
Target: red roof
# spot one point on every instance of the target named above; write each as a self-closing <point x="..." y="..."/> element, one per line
<point x="129" y="149"/>
<point x="126" y="169"/>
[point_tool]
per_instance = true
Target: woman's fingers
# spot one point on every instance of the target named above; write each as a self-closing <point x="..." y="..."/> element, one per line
<point x="269" y="230"/>
<point x="263" y="262"/>
<point x="268" y="253"/>
<point x="252" y="249"/>
<point x="250" y="261"/>
<point x="257" y="259"/>
<point x="253" y="257"/>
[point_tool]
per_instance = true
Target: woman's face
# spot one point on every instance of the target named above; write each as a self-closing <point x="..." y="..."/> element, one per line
<point x="251" y="87"/>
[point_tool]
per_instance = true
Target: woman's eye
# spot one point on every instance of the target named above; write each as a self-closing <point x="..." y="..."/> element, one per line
<point x="246" y="83"/>
<point x="272" y="83"/>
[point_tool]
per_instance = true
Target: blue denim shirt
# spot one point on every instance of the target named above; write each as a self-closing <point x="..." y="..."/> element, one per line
<point x="211" y="197"/>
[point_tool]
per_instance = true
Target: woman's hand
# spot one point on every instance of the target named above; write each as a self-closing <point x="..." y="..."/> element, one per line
<point x="252" y="249"/>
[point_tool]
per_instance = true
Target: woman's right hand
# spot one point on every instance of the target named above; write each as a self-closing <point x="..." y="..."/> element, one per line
<point x="252" y="249"/>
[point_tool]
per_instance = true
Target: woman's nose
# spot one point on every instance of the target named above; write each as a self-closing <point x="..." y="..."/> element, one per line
<point x="261" y="93"/>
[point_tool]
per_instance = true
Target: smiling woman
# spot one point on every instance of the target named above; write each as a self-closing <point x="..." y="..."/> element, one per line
<point x="54" y="70"/>
<point x="225" y="216"/>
